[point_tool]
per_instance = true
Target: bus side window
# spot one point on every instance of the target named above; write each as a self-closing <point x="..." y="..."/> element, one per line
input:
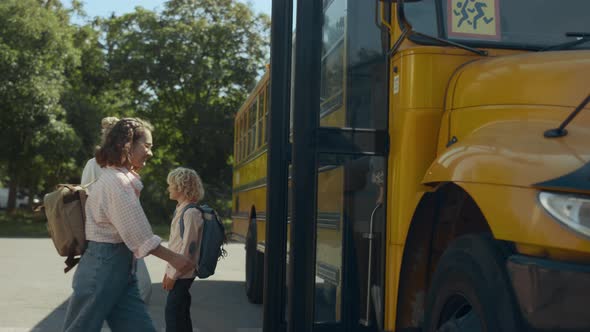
<point x="243" y="125"/>
<point x="236" y="141"/>
<point x="266" y="109"/>
<point x="260" y="118"/>
<point x="239" y="157"/>
<point x="252" y="128"/>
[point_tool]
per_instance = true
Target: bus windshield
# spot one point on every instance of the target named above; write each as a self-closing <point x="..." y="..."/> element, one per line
<point x="521" y="24"/>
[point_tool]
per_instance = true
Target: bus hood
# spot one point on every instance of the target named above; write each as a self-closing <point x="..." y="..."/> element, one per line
<point x="545" y="78"/>
<point x="499" y="111"/>
<point x="515" y="153"/>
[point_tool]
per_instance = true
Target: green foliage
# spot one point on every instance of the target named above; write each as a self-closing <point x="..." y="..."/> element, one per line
<point x="91" y="94"/>
<point x="23" y="224"/>
<point x="36" y="49"/>
<point x="52" y="160"/>
<point x="187" y="70"/>
<point x="190" y="68"/>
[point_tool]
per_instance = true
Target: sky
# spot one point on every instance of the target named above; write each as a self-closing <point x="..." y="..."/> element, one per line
<point x="104" y="8"/>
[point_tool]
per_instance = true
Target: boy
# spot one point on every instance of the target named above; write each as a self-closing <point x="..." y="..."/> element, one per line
<point x="185" y="187"/>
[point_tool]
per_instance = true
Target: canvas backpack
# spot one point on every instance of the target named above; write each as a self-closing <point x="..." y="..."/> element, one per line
<point x="212" y="240"/>
<point x="64" y="209"/>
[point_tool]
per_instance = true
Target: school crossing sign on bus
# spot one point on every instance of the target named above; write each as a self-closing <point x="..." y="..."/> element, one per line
<point x="473" y="19"/>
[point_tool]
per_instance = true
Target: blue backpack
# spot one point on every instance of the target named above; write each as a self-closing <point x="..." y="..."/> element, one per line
<point x="212" y="240"/>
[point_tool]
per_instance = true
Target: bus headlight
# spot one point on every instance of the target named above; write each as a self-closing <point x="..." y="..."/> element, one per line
<point x="571" y="210"/>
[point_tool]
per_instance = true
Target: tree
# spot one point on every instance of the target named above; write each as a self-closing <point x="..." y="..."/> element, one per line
<point x="190" y="68"/>
<point x="35" y="52"/>
<point x="90" y="92"/>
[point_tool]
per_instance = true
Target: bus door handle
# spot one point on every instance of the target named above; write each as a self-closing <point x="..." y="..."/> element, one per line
<point x="370" y="236"/>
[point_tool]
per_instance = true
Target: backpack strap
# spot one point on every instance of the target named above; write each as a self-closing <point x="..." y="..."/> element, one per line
<point x="205" y="209"/>
<point x="181" y="222"/>
<point x="71" y="261"/>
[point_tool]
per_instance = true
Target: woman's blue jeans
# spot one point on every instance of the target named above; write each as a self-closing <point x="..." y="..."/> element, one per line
<point x="105" y="288"/>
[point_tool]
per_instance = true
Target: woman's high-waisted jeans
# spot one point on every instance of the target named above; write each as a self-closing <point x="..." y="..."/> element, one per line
<point x="105" y="288"/>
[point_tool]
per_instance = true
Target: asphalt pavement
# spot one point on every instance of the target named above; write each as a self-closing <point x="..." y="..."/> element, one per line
<point x="34" y="291"/>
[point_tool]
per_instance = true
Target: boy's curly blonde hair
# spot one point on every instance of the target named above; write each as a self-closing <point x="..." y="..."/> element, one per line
<point x="187" y="182"/>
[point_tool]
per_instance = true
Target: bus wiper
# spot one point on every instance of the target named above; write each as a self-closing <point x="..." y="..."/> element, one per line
<point x="408" y="31"/>
<point x="582" y="37"/>
<point x="561" y="131"/>
<point x="450" y="43"/>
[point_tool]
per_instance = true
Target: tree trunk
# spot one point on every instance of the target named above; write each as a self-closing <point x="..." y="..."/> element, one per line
<point x="31" y="195"/>
<point x="12" y="187"/>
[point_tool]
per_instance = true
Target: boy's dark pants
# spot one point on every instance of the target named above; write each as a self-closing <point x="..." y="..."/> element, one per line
<point x="178" y="307"/>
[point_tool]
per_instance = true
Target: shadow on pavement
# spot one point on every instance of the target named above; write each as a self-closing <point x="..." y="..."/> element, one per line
<point x="217" y="306"/>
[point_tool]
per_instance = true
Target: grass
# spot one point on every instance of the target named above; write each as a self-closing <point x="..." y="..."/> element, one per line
<point x="28" y="224"/>
<point x="23" y="224"/>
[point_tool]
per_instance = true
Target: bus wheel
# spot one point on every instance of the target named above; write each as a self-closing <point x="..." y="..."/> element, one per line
<point x="254" y="266"/>
<point x="470" y="290"/>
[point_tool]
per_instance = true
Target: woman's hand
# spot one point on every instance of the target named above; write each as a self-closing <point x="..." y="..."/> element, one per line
<point x="168" y="283"/>
<point x="182" y="264"/>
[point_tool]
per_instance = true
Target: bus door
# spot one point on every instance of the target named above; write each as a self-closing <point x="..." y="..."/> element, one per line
<point x="349" y="155"/>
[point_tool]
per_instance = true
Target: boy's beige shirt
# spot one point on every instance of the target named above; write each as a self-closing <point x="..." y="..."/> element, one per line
<point x="190" y="244"/>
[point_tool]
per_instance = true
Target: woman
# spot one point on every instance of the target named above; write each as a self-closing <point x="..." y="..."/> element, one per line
<point x="118" y="233"/>
<point x="90" y="173"/>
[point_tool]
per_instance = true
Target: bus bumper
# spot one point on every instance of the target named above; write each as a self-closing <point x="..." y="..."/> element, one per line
<point x="552" y="295"/>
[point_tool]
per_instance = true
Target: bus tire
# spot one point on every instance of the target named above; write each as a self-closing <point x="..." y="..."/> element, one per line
<point x="470" y="290"/>
<point x="254" y="266"/>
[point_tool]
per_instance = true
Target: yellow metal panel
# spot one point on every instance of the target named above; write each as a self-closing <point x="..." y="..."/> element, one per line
<point x="416" y="109"/>
<point x="505" y="145"/>
<point x="521" y="218"/>
<point x="443" y="134"/>
<point x="499" y="116"/>
<point x="240" y="226"/>
<point x="424" y="73"/>
<point x="250" y="179"/>
<point x="415" y="116"/>
<point x="548" y="78"/>
<point x="419" y="127"/>
<point x="254" y="197"/>
<point x="253" y="170"/>
<point x="392" y="268"/>
<point x="248" y="199"/>
<point x="408" y="161"/>
<point x="330" y="191"/>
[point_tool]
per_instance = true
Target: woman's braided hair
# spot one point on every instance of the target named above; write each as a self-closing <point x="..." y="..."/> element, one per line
<point x="119" y="141"/>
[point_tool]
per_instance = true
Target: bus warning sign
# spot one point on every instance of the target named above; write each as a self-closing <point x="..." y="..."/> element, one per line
<point x="473" y="19"/>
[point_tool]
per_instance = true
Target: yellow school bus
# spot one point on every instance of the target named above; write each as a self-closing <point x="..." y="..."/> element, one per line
<point x="249" y="195"/>
<point x="477" y="215"/>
